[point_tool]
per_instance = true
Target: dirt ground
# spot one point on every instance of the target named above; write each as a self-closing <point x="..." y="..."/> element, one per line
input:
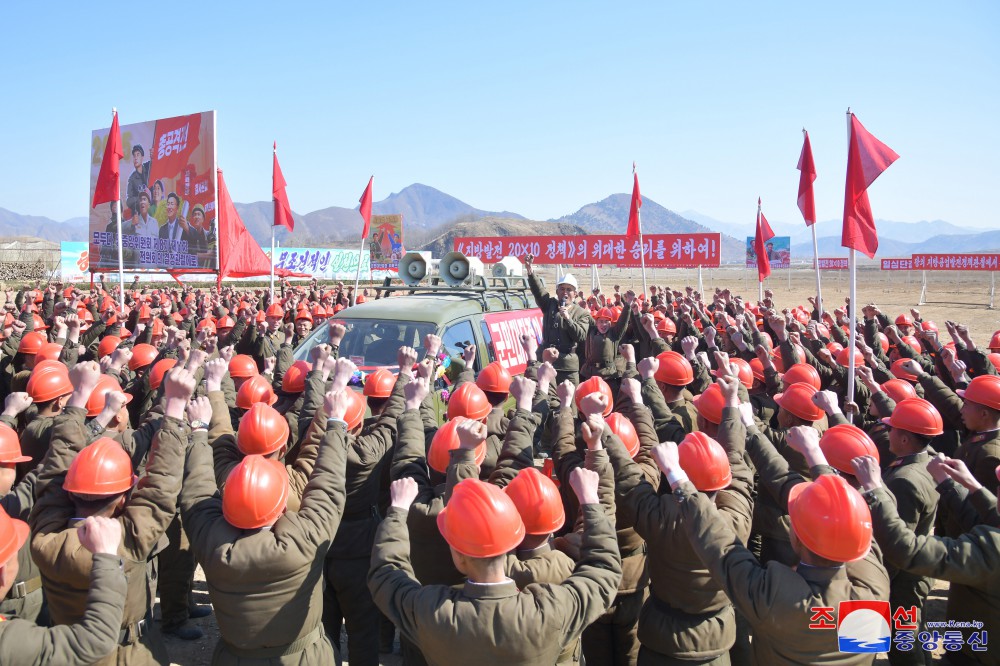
<point x="961" y="297"/>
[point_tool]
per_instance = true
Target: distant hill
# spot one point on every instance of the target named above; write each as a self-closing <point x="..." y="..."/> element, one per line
<point x="424" y="207"/>
<point x="610" y="216"/>
<point x="829" y="246"/>
<point x="14" y="224"/>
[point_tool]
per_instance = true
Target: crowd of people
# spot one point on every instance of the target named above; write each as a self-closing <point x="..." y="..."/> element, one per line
<point x="676" y="478"/>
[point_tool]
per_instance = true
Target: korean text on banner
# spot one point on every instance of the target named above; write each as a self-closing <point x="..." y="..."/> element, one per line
<point x="661" y="250"/>
<point x="169" y="202"/>
<point x="955" y="262"/>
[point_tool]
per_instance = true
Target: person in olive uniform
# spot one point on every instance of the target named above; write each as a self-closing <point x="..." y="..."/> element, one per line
<point x="564" y="323"/>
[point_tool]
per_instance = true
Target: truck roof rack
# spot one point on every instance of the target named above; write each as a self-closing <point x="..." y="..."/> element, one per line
<point x="481" y="286"/>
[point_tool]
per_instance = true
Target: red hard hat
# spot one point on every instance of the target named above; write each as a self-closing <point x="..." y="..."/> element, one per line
<point x="108" y="345"/>
<point x="50" y="351"/>
<point x="994" y="359"/>
<point x="145" y="312"/>
<point x="595" y="385"/>
<point x="102" y="468"/>
<point x="242" y="365"/>
<point x="256" y="493"/>
<point x="253" y="390"/>
<point x="379" y="384"/>
<point x="904" y="320"/>
<point x="616" y="312"/>
<point x="899" y="389"/>
<point x="605" y="313"/>
<point x="983" y="390"/>
<point x="274" y="311"/>
<point x="743" y="371"/>
<point x="537" y="501"/>
<point x="705" y="462"/>
<point x="10" y="447"/>
<point x="710" y="404"/>
<point x="225" y="322"/>
<point x="758" y="369"/>
<point x="39" y="323"/>
<point x="623" y="428"/>
<point x="262" y="430"/>
<point x="360" y="299"/>
<point x="883" y="342"/>
<point x="844" y="358"/>
<point x="835" y="348"/>
<point x="294" y="379"/>
<point x="928" y="325"/>
<point x="843" y="443"/>
<point x="142" y="355"/>
<point x="303" y="313"/>
<point x="674" y="370"/>
<point x="494" y="378"/>
<point x="480" y="520"/>
<point x="444" y="441"/>
<point x="319" y="312"/>
<point x="830" y="518"/>
<point x="259" y="317"/>
<point x="158" y="328"/>
<point x="913" y="343"/>
<point x="469" y="401"/>
<point x="159" y="371"/>
<point x="48" y="382"/>
<point x="105" y="384"/>
<point x="666" y="326"/>
<point x="13" y="534"/>
<point x="797" y="399"/>
<point x="206" y="325"/>
<point x="897" y="369"/>
<point x="31" y="343"/>
<point x="918" y="416"/>
<point x="995" y="342"/>
<point x="355" y="413"/>
<point x="801" y="372"/>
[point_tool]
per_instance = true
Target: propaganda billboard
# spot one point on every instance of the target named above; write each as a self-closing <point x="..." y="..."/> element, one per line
<point x="385" y="247"/>
<point x="779" y="252"/>
<point x="168" y="197"/>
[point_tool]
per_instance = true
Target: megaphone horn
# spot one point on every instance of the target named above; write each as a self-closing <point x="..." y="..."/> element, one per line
<point x="412" y="269"/>
<point x="454" y="268"/>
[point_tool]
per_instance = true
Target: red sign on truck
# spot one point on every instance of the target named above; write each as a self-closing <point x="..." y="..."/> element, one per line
<point x="503" y="333"/>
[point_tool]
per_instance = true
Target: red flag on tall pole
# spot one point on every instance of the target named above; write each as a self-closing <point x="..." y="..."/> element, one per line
<point x="634" y="227"/>
<point x="807" y="203"/>
<point x="366" y="207"/>
<point x="108" y="188"/>
<point x="867" y="158"/>
<point x="763" y="235"/>
<point x="282" y="209"/>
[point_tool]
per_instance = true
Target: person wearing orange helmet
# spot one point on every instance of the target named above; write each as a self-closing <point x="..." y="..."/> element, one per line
<point x="94" y="637"/>
<point x="687" y="615"/>
<point x="263" y="565"/>
<point x="78" y="480"/>
<point x="969" y="561"/>
<point x="668" y="382"/>
<point x="489" y="615"/>
<point x="600" y="348"/>
<point x="777" y="599"/>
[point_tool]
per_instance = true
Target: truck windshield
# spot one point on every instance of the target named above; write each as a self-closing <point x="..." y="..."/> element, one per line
<point x="371" y="343"/>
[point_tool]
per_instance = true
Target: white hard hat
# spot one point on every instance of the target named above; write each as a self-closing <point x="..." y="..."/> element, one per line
<point x="567" y="279"/>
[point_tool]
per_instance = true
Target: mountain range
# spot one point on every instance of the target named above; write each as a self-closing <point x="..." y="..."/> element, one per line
<point x="432" y="218"/>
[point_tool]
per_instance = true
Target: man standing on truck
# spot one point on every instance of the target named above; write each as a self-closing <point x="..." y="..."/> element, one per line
<point x="564" y="324"/>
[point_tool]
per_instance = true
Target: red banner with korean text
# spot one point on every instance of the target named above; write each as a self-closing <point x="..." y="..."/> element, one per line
<point x="833" y="263"/>
<point x="662" y="250"/>
<point x="904" y="264"/>
<point x="505" y="330"/>
<point x="955" y="262"/>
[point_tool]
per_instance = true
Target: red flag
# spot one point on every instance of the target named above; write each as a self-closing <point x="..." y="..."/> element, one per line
<point x="763" y="235"/>
<point x="867" y="158"/>
<point x="174" y="140"/>
<point x="239" y="253"/>
<point x="108" y="187"/>
<point x="807" y="204"/>
<point x="634" y="228"/>
<point x="282" y="209"/>
<point x="366" y="207"/>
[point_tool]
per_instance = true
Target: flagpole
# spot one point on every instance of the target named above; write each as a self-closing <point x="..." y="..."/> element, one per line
<point x="760" y="281"/>
<point x="272" y="264"/>
<point x="819" y="289"/>
<point x="642" y="245"/>
<point x="357" y="278"/>
<point x="853" y="307"/>
<point x="118" y="214"/>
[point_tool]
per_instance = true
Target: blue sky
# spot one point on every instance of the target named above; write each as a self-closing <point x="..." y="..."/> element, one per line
<point x="538" y="108"/>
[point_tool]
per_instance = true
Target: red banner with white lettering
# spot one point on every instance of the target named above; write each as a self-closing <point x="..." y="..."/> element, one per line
<point x="662" y="250"/>
<point x="904" y="264"/>
<point x="505" y="330"/>
<point x="955" y="262"/>
<point x="833" y="263"/>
